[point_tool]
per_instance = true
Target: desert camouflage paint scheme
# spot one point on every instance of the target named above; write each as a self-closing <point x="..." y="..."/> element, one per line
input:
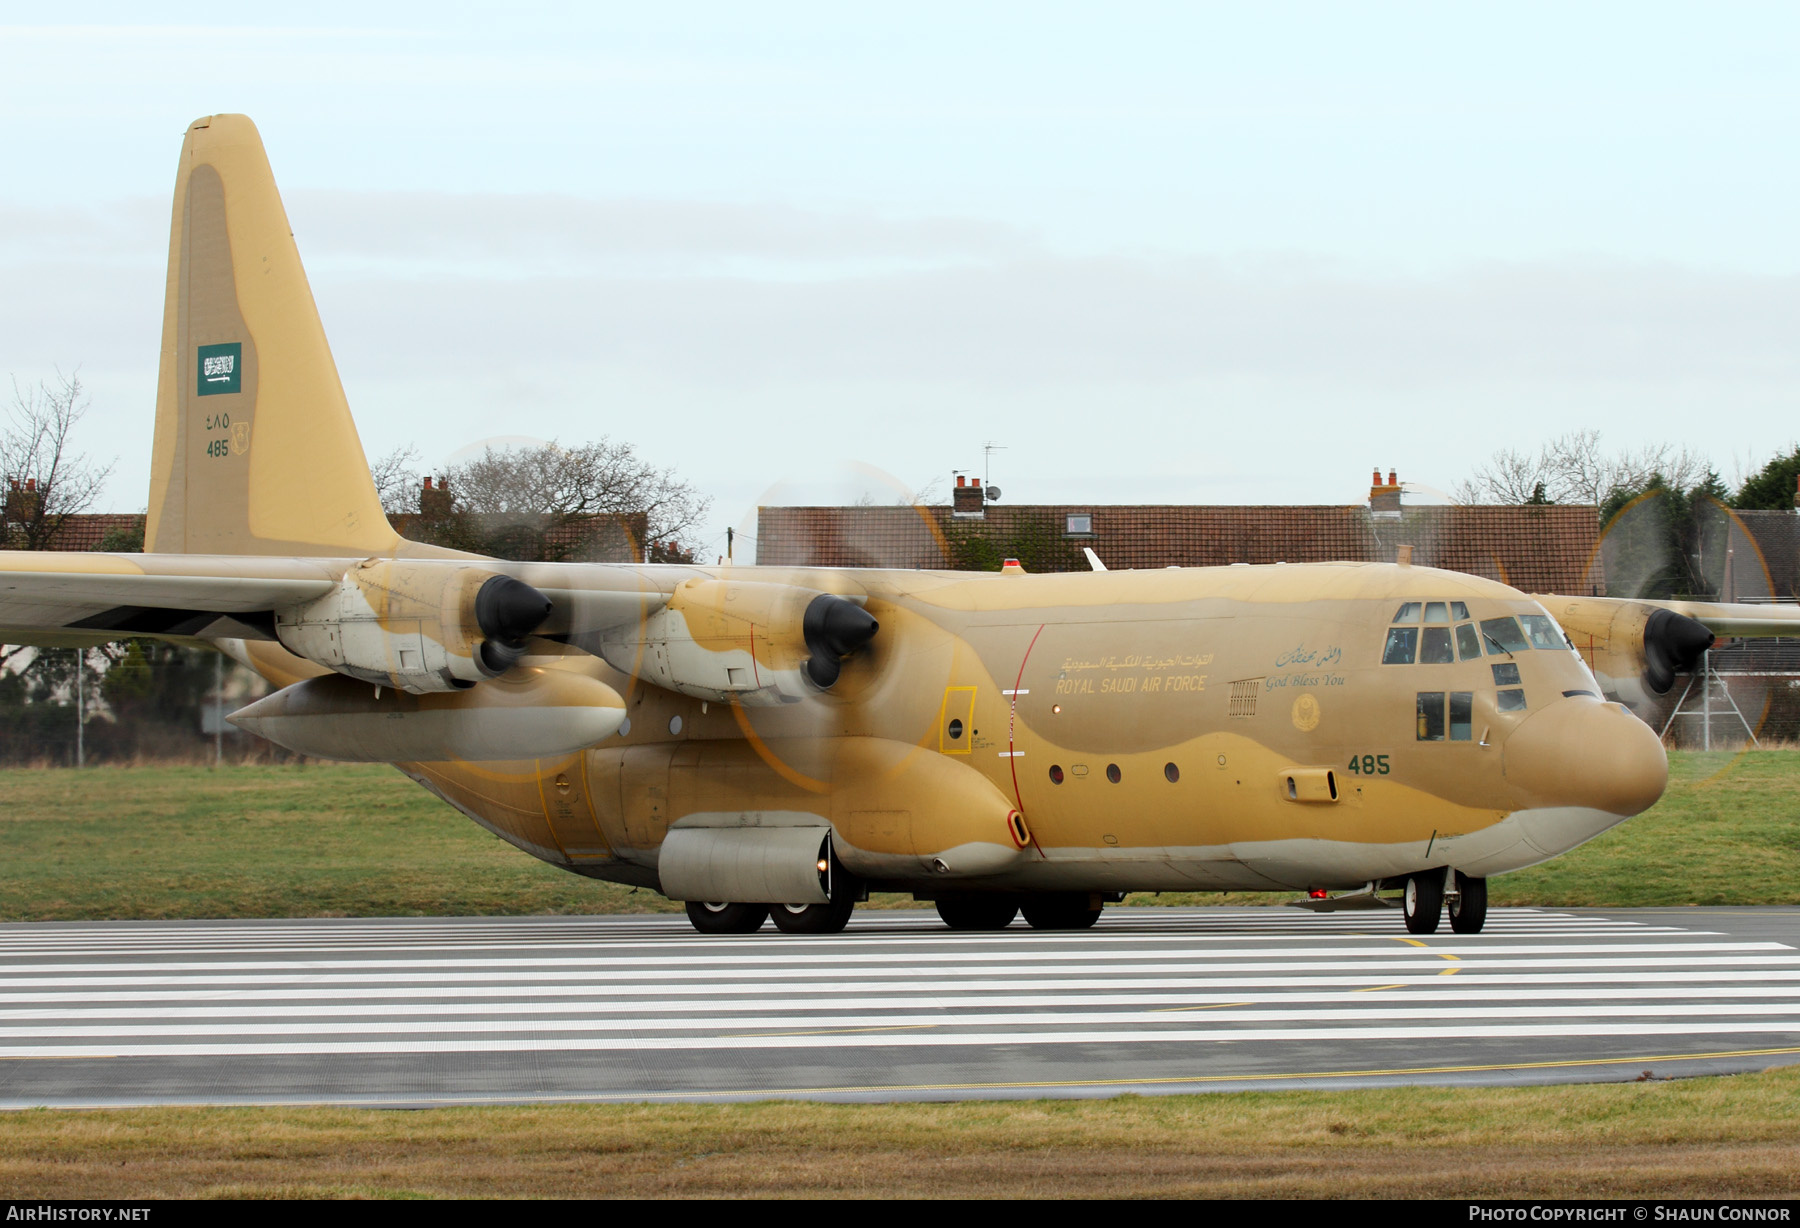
<point x="793" y="738"/>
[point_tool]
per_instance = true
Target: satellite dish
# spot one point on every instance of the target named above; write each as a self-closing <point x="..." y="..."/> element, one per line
<point x="993" y="494"/>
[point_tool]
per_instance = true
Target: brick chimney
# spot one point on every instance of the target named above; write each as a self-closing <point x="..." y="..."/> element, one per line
<point x="966" y="501"/>
<point x="1384" y="499"/>
<point x="21" y="505"/>
<point x="434" y="502"/>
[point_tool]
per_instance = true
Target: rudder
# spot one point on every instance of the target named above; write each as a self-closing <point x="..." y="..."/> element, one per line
<point x="255" y="449"/>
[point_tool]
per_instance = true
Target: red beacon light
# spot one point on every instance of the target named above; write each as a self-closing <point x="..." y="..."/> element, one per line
<point x="1315" y="894"/>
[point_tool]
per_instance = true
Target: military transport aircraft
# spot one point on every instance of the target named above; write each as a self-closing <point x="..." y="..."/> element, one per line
<point x="766" y="742"/>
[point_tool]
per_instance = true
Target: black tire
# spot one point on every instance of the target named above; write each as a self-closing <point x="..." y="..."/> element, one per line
<point x="814" y="918"/>
<point x="1067" y="910"/>
<point x="977" y="912"/>
<point x="1422" y="902"/>
<point x="726" y="918"/>
<point x="1468" y="911"/>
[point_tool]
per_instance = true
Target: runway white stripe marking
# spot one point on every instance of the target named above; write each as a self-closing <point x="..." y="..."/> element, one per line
<point x="901" y="975"/>
<point x="1629" y="984"/>
<point x="1646" y="998"/>
<point x="912" y="1017"/>
<point x="814" y="960"/>
<point x="798" y="1038"/>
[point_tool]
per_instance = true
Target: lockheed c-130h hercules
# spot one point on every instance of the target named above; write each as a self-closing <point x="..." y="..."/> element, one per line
<point x="766" y="742"/>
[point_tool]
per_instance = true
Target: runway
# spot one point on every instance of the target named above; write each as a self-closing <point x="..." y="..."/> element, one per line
<point x="468" y="1011"/>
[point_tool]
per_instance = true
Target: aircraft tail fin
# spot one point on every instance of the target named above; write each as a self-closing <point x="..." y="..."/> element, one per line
<point x="255" y="449"/>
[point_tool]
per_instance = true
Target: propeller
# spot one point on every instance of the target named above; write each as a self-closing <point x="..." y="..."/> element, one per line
<point x="834" y="627"/>
<point x="507" y="611"/>
<point x="1672" y="644"/>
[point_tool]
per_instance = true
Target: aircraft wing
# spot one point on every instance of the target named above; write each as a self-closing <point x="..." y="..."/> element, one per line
<point x="1731" y="619"/>
<point x="68" y="600"/>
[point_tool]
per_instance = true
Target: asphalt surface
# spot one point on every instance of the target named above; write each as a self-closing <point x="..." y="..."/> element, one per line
<point x="479" y="1010"/>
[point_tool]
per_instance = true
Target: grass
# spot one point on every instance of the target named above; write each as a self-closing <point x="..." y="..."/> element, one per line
<point x="356" y="840"/>
<point x="1696" y="1138"/>
<point x="265" y="841"/>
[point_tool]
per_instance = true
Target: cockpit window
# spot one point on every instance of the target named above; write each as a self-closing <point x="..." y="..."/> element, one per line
<point x="1543" y="631"/>
<point x="1502" y="635"/>
<point x="1468" y="641"/>
<point x="1434" y="649"/>
<point x="1435" y="612"/>
<point x="1402" y="645"/>
<point x="1408" y="613"/>
<point x="1459" y="611"/>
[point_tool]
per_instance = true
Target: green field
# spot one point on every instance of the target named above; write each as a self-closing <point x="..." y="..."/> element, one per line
<point x="349" y="840"/>
<point x="1690" y="1138"/>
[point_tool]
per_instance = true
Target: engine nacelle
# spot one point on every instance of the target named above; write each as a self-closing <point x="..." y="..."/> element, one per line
<point x="528" y="714"/>
<point x="1635" y="649"/>
<point x="416" y="625"/>
<point x="756" y="643"/>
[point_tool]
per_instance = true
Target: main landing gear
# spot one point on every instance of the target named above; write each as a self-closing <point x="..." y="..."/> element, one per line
<point x="1422" y="902"/>
<point x="789" y="918"/>
<point x="1060" y="910"/>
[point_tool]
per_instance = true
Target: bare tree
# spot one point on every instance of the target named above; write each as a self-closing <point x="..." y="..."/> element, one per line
<point x="46" y="480"/>
<point x="559" y="484"/>
<point x="396" y="478"/>
<point x="531" y="502"/>
<point x="1573" y="468"/>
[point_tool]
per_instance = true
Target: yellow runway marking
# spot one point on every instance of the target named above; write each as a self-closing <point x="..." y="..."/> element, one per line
<point x="1211" y="1006"/>
<point x="1376" y="988"/>
<point x="1414" y="942"/>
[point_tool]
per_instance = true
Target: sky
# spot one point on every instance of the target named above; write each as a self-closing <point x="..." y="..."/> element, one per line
<point x="1181" y="253"/>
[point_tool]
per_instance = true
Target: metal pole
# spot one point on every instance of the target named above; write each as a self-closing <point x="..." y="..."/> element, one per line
<point x="218" y="709"/>
<point x="1706" y="697"/>
<point x="80" y="707"/>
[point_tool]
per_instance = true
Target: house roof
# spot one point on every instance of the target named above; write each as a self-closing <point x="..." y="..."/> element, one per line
<point x="1536" y="548"/>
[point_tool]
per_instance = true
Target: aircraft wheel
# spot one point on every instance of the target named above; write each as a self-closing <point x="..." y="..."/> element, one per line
<point x="1468" y="911"/>
<point x="1423" y="902"/>
<point x="726" y="918"/>
<point x="977" y="912"/>
<point x="814" y="918"/>
<point x="1067" y="910"/>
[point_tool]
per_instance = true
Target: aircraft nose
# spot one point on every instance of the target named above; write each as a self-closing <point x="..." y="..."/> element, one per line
<point x="1581" y="752"/>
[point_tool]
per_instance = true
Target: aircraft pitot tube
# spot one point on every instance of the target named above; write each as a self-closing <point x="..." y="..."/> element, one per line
<point x="527" y="714"/>
<point x="420" y="626"/>
<point x="755" y="643"/>
<point x="1635" y="648"/>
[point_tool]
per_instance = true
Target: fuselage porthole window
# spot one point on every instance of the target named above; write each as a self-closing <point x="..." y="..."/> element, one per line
<point x="1112" y="772"/>
<point x="1171" y="773"/>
